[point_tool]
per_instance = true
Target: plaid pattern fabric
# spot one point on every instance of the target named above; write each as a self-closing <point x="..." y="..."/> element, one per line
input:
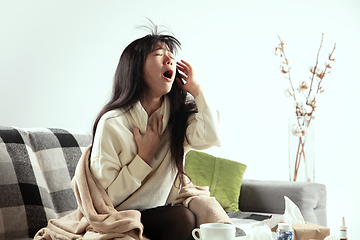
<point x="36" y="168"/>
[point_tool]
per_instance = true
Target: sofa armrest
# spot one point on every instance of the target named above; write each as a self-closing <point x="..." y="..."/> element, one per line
<point x="268" y="197"/>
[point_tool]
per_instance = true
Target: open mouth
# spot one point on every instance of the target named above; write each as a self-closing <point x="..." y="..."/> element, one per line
<point x="168" y="74"/>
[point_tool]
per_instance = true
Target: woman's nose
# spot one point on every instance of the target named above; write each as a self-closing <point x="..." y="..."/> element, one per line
<point x="168" y="60"/>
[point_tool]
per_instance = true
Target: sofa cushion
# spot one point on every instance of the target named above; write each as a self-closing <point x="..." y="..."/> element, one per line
<point x="223" y="176"/>
<point x="36" y="168"/>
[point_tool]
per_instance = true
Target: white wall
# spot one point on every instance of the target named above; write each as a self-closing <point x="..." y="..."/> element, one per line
<point x="57" y="59"/>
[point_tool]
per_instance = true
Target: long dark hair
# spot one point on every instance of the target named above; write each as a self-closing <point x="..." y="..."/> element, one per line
<point x="129" y="86"/>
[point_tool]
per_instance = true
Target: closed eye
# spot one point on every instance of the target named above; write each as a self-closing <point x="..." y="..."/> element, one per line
<point x="160" y="55"/>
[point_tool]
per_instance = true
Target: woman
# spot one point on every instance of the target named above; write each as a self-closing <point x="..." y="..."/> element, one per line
<point x="142" y="133"/>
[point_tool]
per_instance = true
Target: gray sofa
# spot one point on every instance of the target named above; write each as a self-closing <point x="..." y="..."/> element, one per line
<point x="37" y="165"/>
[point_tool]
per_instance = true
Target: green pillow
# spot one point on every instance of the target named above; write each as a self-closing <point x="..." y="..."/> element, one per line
<point x="223" y="176"/>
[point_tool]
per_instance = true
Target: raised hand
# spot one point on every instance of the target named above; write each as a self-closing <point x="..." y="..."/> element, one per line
<point x="187" y="73"/>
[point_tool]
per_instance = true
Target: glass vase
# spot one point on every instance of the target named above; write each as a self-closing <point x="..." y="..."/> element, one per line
<point x="301" y="149"/>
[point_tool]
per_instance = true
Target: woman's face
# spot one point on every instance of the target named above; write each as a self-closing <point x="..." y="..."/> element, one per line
<point x="159" y="70"/>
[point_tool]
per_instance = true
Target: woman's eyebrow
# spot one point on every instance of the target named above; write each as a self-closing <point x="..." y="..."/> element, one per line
<point x="159" y="47"/>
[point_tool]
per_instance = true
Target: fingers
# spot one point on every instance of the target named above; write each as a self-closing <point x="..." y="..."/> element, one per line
<point x="160" y="123"/>
<point x="137" y="134"/>
<point x="184" y="64"/>
<point x="185" y="71"/>
<point x="154" y="123"/>
<point x="182" y="75"/>
<point x="191" y="86"/>
<point x="182" y="79"/>
<point x="148" y="142"/>
<point x="184" y="67"/>
<point x="157" y="123"/>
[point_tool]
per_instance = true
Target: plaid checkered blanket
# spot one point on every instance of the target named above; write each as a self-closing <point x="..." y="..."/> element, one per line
<point x="36" y="168"/>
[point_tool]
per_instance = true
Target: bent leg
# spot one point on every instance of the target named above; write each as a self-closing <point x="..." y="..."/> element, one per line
<point x="166" y="223"/>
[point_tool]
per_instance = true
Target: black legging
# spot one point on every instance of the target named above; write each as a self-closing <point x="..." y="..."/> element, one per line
<point x="164" y="223"/>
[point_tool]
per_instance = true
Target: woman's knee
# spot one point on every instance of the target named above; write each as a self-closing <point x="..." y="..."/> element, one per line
<point x="184" y="221"/>
<point x="175" y="223"/>
<point x="186" y="216"/>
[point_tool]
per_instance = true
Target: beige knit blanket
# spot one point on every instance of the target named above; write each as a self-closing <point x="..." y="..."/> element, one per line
<point x="96" y="217"/>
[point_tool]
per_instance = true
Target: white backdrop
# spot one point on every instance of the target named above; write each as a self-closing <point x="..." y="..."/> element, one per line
<point x="57" y="60"/>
